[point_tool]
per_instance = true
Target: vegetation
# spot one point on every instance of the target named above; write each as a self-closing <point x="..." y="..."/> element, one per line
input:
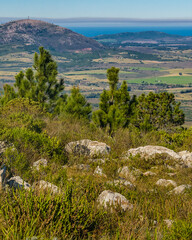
<point x="42" y="128"/>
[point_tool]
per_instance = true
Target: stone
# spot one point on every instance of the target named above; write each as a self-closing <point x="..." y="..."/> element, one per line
<point x="149" y="173"/>
<point x="180" y="189"/>
<point x="166" y="183"/>
<point x="37" y="165"/>
<point x="2" y="177"/>
<point x="168" y="222"/>
<point x="47" y="186"/>
<point x="171" y="174"/>
<point x="108" y="198"/>
<point x="88" y="148"/>
<point x="151" y="151"/>
<point x="127" y="173"/>
<point x="83" y="167"/>
<point x="122" y="182"/>
<point x="18" y="183"/>
<point x="186" y="157"/>
<point x="99" y="171"/>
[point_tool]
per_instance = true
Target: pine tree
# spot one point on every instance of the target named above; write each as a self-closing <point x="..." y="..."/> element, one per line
<point x="77" y="105"/>
<point x="40" y="84"/>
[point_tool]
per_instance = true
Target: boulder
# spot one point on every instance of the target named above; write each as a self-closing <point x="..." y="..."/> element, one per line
<point x="47" y="186"/>
<point x="122" y="182"/>
<point x="186" y="157"/>
<point x="151" y="151"/>
<point x="126" y="172"/>
<point x="18" y="183"/>
<point x="99" y="171"/>
<point x="181" y="189"/>
<point x="37" y="165"/>
<point x="108" y="198"/>
<point x="2" y="177"/>
<point x="166" y="183"/>
<point x="88" y="148"/>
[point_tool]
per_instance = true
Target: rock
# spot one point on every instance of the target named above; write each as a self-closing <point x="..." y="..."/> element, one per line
<point x="109" y="198"/>
<point x="180" y="189"/>
<point x="2" y="177"/>
<point x="83" y="167"/>
<point x="122" y="182"/>
<point x="171" y="174"/>
<point x="152" y="151"/>
<point x="186" y="156"/>
<point x="37" y="165"/>
<point x="166" y="183"/>
<point x="149" y="173"/>
<point x="131" y="175"/>
<point x="168" y="222"/>
<point x="47" y="186"/>
<point x="18" y="183"/>
<point x="87" y="147"/>
<point x="99" y="171"/>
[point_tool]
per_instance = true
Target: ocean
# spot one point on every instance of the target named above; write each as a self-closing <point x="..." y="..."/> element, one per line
<point x="94" y="31"/>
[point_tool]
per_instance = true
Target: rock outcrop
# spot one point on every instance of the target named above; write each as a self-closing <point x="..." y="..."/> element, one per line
<point x="130" y="174"/>
<point x="4" y="146"/>
<point x="88" y="148"/>
<point x="166" y="183"/>
<point x="181" y="189"/>
<point x="46" y="186"/>
<point x="108" y="199"/>
<point x="40" y="163"/>
<point x="151" y="151"/>
<point x="18" y="183"/>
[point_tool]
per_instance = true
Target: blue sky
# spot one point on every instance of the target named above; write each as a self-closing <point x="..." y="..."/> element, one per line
<point x="154" y="9"/>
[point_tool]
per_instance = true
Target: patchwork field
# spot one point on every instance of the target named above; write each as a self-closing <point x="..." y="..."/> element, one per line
<point x="89" y="73"/>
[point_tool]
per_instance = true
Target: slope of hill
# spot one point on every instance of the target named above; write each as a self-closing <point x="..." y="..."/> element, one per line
<point x="38" y="33"/>
<point x="142" y="37"/>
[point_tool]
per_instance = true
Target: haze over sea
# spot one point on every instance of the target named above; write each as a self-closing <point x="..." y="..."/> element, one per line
<point x="94" y="31"/>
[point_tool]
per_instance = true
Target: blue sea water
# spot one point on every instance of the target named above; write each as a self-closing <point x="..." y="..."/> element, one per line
<point x="95" y="31"/>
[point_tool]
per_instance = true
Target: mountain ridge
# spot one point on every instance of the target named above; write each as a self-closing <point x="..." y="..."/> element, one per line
<point x="39" y="33"/>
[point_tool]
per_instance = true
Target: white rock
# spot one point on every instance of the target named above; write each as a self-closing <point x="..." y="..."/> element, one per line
<point x="83" y="167"/>
<point x="151" y="151"/>
<point x="44" y="185"/>
<point x="18" y="183"/>
<point x="122" y="182"/>
<point x="99" y="171"/>
<point x="168" y="222"/>
<point x="180" y="189"/>
<point x="109" y="198"/>
<point x="126" y="172"/>
<point x="149" y="173"/>
<point x="37" y="165"/>
<point x="166" y="183"/>
<point x="186" y="156"/>
<point x="87" y="147"/>
<point x="2" y="177"/>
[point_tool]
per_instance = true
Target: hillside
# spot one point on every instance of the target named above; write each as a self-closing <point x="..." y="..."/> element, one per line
<point x="142" y="37"/>
<point x="38" y="33"/>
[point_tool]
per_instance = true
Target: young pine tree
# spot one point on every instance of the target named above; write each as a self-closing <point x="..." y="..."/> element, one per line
<point x="40" y="85"/>
<point x="77" y="105"/>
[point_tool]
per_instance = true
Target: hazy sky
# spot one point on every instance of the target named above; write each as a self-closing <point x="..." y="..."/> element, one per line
<point x="166" y="9"/>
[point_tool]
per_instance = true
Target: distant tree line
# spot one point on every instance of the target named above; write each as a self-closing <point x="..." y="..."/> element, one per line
<point x="116" y="108"/>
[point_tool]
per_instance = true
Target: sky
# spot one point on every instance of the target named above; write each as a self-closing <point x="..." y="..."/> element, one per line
<point x="142" y="9"/>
